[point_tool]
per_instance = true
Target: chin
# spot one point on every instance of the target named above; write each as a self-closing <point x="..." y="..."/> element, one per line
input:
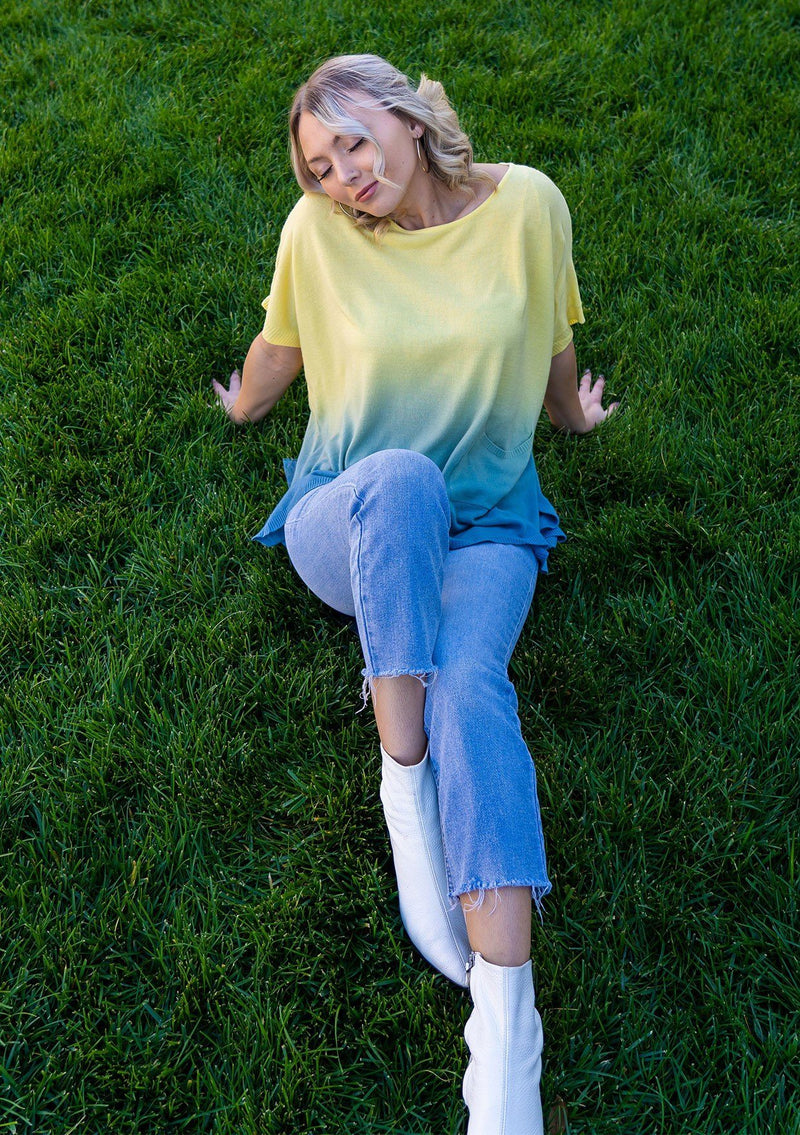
<point x="373" y="212"/>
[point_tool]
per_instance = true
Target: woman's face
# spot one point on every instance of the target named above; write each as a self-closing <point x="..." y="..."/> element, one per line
<point x="343" y="165"/>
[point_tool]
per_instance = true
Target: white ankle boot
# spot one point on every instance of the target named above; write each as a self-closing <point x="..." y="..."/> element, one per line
<point x="411" y="807"/>
<point x="504" y="1036"/>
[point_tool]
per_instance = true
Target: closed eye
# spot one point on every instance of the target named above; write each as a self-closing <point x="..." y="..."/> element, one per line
<point x="325" y="172"/>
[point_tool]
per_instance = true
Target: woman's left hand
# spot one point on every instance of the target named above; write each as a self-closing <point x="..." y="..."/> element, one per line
<point x="590" y="396"/>
<point x="574" y="406"/>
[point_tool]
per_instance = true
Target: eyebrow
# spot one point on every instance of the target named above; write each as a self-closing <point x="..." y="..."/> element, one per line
<point x="310" y="161"/>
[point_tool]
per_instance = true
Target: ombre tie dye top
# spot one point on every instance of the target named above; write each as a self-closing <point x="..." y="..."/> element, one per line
<point x="437" y="340"/>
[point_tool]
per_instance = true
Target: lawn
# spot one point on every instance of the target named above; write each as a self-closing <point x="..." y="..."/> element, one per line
<point x="198" y="922"/>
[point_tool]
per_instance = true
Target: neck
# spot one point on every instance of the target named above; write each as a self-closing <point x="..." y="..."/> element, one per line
<point x="429" y="203"/>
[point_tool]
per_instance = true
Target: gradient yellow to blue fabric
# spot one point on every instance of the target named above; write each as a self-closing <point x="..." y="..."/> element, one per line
<point x="430" y="363"/>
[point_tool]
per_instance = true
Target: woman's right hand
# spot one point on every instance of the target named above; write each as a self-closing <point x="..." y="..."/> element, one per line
<point x="227" y="395"/>
<point x="267" y="373"/>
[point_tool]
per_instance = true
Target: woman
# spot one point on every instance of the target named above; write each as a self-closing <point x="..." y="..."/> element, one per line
<point x="430" y="301"/>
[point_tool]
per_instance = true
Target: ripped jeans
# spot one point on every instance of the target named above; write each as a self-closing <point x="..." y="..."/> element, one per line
<point x="374" y="544"/>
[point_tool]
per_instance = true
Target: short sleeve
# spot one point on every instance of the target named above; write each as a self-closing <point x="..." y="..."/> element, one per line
<point x="280" y="325"/>
<point x="567" y="298"/>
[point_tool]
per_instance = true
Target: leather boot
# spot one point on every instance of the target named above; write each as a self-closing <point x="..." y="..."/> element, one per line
<point x="504" y="1036"/>
<point x="434" y="924"/>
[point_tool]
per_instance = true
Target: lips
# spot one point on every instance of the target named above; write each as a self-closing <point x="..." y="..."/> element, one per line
<point x="366" y="191"/>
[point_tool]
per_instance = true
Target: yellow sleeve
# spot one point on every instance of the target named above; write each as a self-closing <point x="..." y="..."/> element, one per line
<point x="567" y="297"/>
<point x="280" y="325"/>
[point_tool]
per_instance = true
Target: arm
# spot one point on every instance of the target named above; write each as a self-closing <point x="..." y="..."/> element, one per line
<point x="268" y="372"/>
<point x="576" y="409"/>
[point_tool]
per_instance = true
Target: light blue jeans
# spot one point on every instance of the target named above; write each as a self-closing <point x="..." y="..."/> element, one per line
<point x="374" y="544"/>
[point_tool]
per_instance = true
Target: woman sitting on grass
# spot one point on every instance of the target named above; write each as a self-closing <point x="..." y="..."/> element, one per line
<point x="429" y="300"/>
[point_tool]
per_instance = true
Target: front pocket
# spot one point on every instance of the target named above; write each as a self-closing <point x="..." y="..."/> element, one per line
<point x="525" y="446"/>
<point x="487" y="472"/>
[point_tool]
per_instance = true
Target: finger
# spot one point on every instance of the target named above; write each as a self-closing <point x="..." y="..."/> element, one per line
<point x="586" y="380"/>
<point x="593" y="396"/>
<point x="217" y="387"/>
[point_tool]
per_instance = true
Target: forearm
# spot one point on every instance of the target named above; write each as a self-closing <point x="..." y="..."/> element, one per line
<point x="561" y="397"/>
<point x="267" y="373"/>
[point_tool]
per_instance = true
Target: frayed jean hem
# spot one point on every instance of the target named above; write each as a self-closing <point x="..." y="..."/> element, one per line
<point x="539" y="892"/>
<point x="423" y="675"/>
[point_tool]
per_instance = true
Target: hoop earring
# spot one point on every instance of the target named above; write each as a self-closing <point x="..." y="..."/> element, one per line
<point x="348" y="212"/>
<point x="425" y="167"/>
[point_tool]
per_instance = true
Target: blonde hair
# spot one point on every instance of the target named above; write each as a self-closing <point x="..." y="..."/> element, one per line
<point x="328" y="95"/>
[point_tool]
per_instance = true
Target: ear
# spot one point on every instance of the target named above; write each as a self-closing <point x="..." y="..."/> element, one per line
<point x="416" y="130"/>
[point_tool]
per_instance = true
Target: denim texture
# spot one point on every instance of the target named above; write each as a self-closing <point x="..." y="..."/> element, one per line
<point x="374" y="543"/>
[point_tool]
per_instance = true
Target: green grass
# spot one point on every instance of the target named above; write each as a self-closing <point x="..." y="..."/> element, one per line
<point x="198" y="925"/>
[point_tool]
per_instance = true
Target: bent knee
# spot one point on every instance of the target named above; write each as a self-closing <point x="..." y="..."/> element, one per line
<point x="405" y="474"/>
